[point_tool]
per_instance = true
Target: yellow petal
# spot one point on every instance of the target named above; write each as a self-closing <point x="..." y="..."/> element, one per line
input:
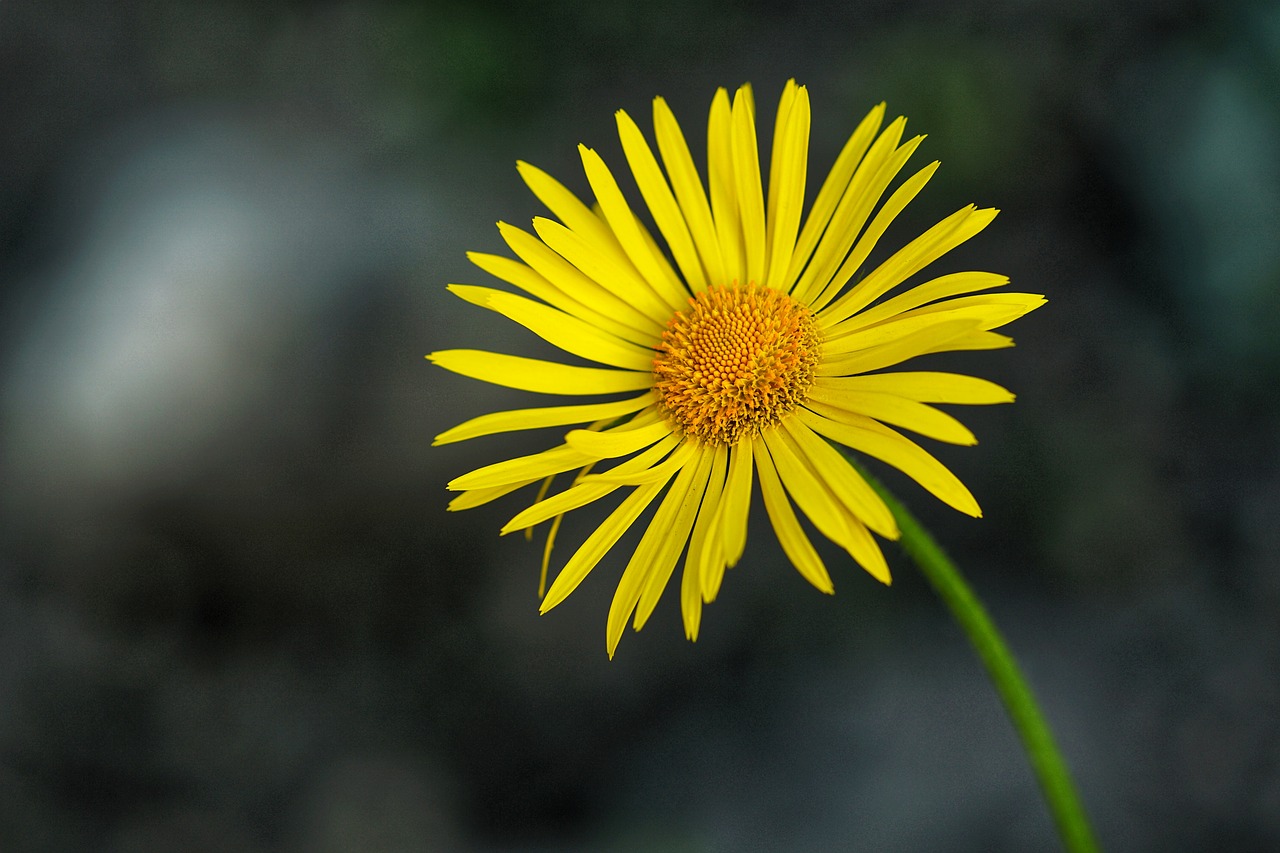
<point x="567" y="332"/>
<point x="907" y="261"/>
<point x="690" y="602"/>
<point x="939" y="337"/>
<point x="787" y="173"/>
<point x="941" y="287"/>
<point x="522" y="468"/>
<point x="662" y="203"/>
<point x="621" y="441"/>
<point x="677" y="537"/>
<point x="521" y="419"/>
<point x="722" y="183"/>
<point x="990" y="311"/>
<point x="832" y="190"/>
<point x="889" y="211"/>
<point x="899" y="411"/>
<point x="589" y="488"/>
<point x="884" y="334"/>
<point x="875" y="439"/>
<point x="660" y="257"/>
<point x="857" y="201"/>
<point x="730" y="524"/>
<point x="746" y="170"/>
<point x="995" y="309"/>
<point x="845" y="483"/>
<point x="652" y="561"/>
<point x="598" y="544"/>
<point x="810" y="494"/>
<point x="575" y="215"/>
<point x="636" y="477"/>
<point x="625" y="227"/>
<point x="531" y="374"/>
<point x="479" y="497"/>
<point x="688" y="189"/>
<point x="786" y="101"/>
<point x="924" y="387"/>
<point x="706" y="554"/>
<point x="532" y="282"/>
<point x="547" y="260"/>
<point x="974" y="340"/>
<point x="795" y="544"/>
<point x="816" y="500"/>
<point x="598" y="267"/>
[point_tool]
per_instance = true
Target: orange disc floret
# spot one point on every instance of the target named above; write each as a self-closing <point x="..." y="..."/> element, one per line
<point x="735" y="361"/>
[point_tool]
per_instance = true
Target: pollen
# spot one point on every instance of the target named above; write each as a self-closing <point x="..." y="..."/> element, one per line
<point x="735" y="361"/>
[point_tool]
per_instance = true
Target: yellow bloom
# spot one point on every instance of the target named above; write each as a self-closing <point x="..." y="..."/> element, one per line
<point x="751" y="354"/>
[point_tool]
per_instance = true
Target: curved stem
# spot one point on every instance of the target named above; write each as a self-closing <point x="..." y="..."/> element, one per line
<point x="1037" y="739"/>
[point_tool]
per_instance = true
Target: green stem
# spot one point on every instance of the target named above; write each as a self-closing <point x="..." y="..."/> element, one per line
<point x="1046" y="760"/>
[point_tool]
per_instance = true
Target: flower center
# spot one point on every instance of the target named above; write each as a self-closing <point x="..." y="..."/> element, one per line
<point x="735" y="361"/>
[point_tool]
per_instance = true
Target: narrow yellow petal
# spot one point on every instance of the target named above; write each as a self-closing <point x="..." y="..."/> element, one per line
<point x="676" y="539"/>
<point x="933" y="338"/>
<point x="647" y="561"/>
<point x="795" y="544"/>
<point x="636" y="477"/>
<point x="730" y="525"/>
<point x="813" y="493"/>
<point x="845" y="483"/>
<point x="688" y="190"/>
<point x="600" y="268"/>
<point x="589" y="488"/>
<point x="746" y="170"/>
<point x="546" y="377"/>
<point x="532" y="282"/>
<point x="988" y="312"/>
<point x="574" y="336"/>
<point x="662" y="203"/>
<point x="785" y="103"/>
<point x="942" y="287"/>
<point x="661" y="257"/>
<point x="899" y="411"/>
<point x="690" y="602"/>
<point x="995" y="309"/>
<point x="857" y="200"/>
<point x="866" y="552"/>
<point x="706" y="553"/>
<point x="832" y="190"/>
<point x="875" y="439"/>
<point x="479" y="497"/>
<point x="522" y="419"/>
<point x="888" y="212"/>
<point x="575" y="215"/>
<point x="787" y="174"/>
<point x="624" y="225"/>
<point x="607" y="444"/>
<point x="810" y="494"/>
<point x="598" y="544"/>
<point x="924" y="387"/>
<point x="528" y="534"/>
<point x="520" y="469"/>
<point x="974" y="340"/>
<point x="553" y="266"/>
<point x="907" y="261"/>
<point x="722" y="184"/>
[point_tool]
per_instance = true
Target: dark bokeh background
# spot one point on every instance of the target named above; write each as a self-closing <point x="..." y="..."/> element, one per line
<point x="235" y="616"/>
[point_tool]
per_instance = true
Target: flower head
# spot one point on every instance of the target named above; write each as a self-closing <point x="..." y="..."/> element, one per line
<point x="741" y="351"/>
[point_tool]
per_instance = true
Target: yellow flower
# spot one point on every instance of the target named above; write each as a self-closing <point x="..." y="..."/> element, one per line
<point x="750" y="355"/>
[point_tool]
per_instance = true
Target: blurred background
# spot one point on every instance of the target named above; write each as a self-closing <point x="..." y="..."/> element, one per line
<point x="234" y="615"/>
